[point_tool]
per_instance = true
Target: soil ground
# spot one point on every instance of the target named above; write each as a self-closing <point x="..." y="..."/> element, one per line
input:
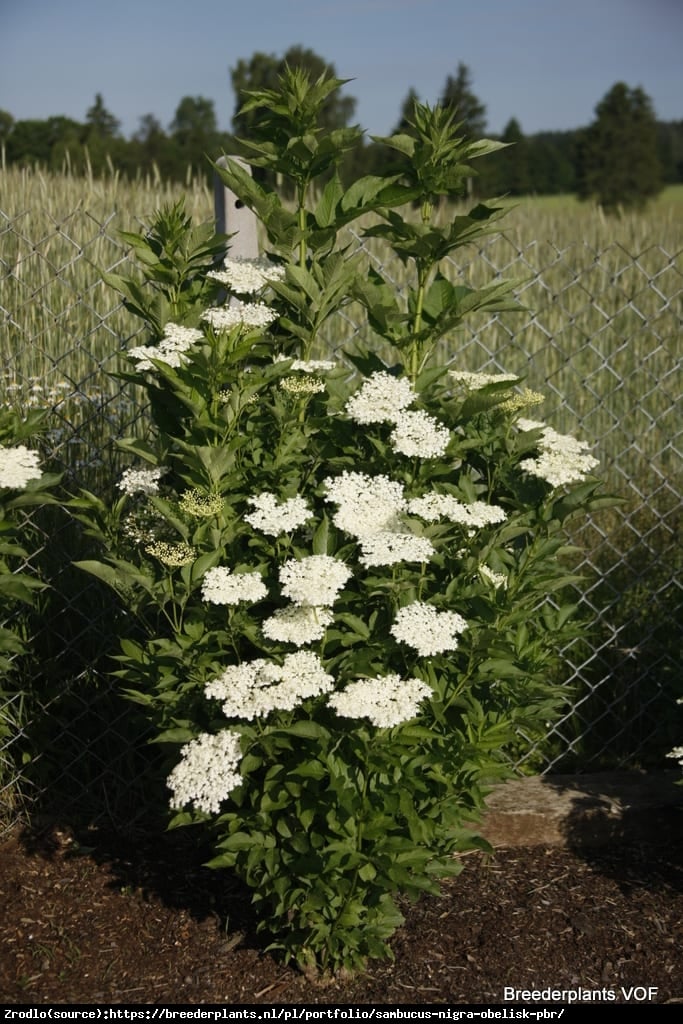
<point x="102" y="919"/>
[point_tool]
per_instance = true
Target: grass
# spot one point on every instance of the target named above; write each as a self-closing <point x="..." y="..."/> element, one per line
<point x="599" y="336"/>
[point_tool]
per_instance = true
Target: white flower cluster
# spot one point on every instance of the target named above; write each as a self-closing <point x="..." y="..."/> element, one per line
<point x="386" y="547"/>
<point x="274" y="518"/>
<point x="383" y="398"/>
<point x="207" y="772"/>
<point x="476" y="381"/>
<point x="380" y="398"/>
<point x="141" y="481"/>
<point x="369" y="508"/>
<point x="315" y="580"/>
<point x="562" y="460"/>
<point x="221" y="586"/>
<point x="366" y="504"/>
<point x="245" y="276"/>
<point x="473" y="514"/>
<point x="387" y="701"/>
<point x="170" y="350"/>
<point x="298" y="624"/>
<point x="308" y="365"/>
<point x="496" y="579"/>
<point x="18" y="465"/>
<point x="256" y="688"/>
<point x="677" y="753"/>
<point x="427" y="630"/>
<point x="245" y="314"/>
<point x="417" y="434"/>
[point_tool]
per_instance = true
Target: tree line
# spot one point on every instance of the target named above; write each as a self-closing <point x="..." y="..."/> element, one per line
<point x="623" y="157"/>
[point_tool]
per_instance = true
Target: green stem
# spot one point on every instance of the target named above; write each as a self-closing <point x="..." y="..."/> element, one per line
<point x="422" y="275"/>
<point x="302" y="223"/>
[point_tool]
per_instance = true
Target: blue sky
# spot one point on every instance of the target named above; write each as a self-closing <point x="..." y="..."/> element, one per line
<point x="546" y="63"/>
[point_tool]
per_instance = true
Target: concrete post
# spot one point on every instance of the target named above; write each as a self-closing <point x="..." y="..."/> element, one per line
<point x="233" y="218"/>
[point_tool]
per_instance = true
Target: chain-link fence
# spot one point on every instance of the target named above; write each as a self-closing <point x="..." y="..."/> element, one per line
<point x="600" y="337"/>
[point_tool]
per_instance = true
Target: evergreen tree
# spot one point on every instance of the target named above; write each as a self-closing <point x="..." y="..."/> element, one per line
<point x="99" y="121"/>
<point x="469" y="110"/>
<point x="618" y="161"/>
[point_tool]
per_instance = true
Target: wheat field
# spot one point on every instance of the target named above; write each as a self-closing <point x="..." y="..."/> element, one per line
<point x="599" y="334"/>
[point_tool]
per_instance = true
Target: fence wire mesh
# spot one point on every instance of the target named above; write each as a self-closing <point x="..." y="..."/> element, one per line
<point x="599" y="336"/>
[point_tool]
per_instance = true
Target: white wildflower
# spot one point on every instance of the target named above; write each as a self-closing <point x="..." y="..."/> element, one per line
<point x="677" y="753"/>
<point x="387" y="701"/>
<point x="256" y="688"/>
<point x="207" y="772"/>
<point x="526" y="425"/>
<point x="476" y="381"/>
<point x="273" y="517"/>
<point x="18" y="465"/>
<point x="221" y="586"/>
<point x="170" y="350"/>
<point x="366" y="504"/>
<point x="246" y="314"/>
<point x="386" y="547"/>
<point x="418" y="434"/>
<point x="315" y="580"/>
<point x="380" y="398"/>
<point x="473" y="514"/>
<point x="496" y="579"/>
<point x="308" y="365"/>
<point x="141" y="481"/>
<point x="298" y="624"/>
<point x="427" y="630"/>
<point x="562" y="460"/>
<point x="245" y="276"/>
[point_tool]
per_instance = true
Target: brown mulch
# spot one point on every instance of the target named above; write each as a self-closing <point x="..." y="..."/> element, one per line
<point x="106" y="920"/>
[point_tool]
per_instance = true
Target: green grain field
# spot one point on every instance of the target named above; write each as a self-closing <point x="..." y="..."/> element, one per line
<point x="599" y="335"/>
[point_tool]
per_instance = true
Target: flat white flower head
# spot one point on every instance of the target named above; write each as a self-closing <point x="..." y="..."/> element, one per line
<point x="387" y="701"/>
<point x="253" y="689"/>
<point x="207" y="772"/>
<point x="244" y="314"/>
<point x="388" y="548"/>
<point x="366" y="504"/>
<point x="273" y="517"/>
<point x="18" y="465"/>
<point x="417" y="434"/>
<point x="427" y="630"/>
<point x="141" y="481"/>
<point x="315" y="580"/>
<point x="563" y="459"/>
<point x="246" y="276"/>
<point x="380" y="398"/>
<point x="308" y="365"/>
<point x="476" y="381"/>
<point x="496" y="579"/>
<point x="177" y="340"/>
<point x="221" y="586"/>
<point x="473" y="515"/>
<point x="298" y="624"/>
<point x="677" y="753"/>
